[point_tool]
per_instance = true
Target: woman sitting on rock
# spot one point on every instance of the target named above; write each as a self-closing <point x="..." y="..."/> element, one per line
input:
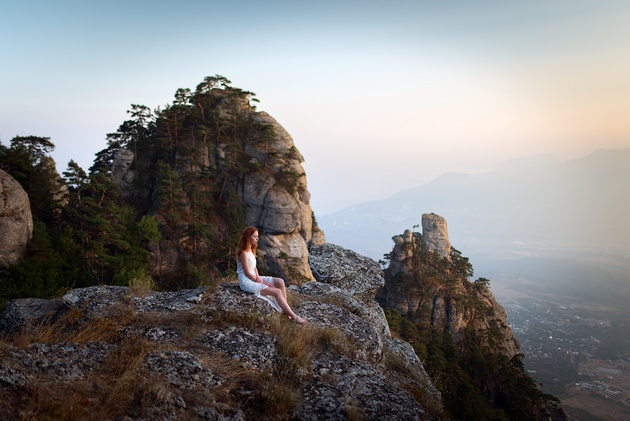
<point x="270" y="289"/>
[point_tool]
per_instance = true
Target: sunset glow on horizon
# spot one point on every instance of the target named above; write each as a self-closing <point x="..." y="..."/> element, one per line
<point x="394" y="93"/>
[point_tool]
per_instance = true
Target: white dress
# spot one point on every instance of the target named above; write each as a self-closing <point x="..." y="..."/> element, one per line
<point x="248" y="285"/>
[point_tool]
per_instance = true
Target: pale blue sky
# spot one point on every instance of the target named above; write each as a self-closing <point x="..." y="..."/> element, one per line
<point x="392" y="92"/>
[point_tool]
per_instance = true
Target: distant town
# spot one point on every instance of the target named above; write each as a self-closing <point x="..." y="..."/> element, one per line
<point x="581" y="355"/>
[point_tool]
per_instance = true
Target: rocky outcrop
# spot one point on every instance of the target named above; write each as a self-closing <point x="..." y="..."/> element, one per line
<point x="433" y="293"/>
<point x="19" y="314"/>
<point x="258" y="162"/>
<point x="435" y="234"/>
<point x="347" y="277"/>
<point x="57" y="188"/>
<point x="122" y="171"/>
<point x="450" y="306"/>
<point x="16" y="221"/>
<point x="402" y="251"/>
<point x="208" y="353"/>
<point x="278" y="203"/>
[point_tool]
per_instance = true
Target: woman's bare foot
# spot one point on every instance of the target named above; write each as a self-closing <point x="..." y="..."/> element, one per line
<point x="299" y="320"/>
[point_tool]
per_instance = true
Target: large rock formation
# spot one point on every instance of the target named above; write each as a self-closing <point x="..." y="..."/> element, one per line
<point x="444" y="304"/>
<point x="246" y="154"/>
<point x="208" y="353"/>
<point x="122" y="171"/>
<point x="282" y="212"/>
<point x="431" y="290"/>
<point x="57" y="188"/>
<point x="16" y="221"/>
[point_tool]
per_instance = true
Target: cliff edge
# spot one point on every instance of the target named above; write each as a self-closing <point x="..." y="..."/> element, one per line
<point x="214" y="352"/>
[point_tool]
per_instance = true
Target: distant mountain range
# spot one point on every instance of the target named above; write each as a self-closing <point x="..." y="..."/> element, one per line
<point x="534" y="207"/>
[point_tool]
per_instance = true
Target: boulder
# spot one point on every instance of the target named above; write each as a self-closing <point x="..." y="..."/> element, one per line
<point x="22" y="313"/>
<point x="368" y="310"/>
<point x="348" y="279"/>
<point x="16" y="221"/>
<point x="344" y="388"/>
<point x="356" y="274"/>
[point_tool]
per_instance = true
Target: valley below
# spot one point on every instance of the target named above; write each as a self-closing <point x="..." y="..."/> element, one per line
<point x="578" y="349"/>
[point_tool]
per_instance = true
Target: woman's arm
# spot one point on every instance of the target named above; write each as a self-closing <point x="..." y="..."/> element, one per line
<point x="253" y="275"/>
<point x="260" y="279"/>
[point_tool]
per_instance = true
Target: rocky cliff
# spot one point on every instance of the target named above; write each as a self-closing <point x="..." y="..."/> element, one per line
<point x="452" y="304"/>
<point x="212" y="353"/>
<point x="16" y="221"/>
<point x="227" y="166"/>
<point x="458" y="326"/>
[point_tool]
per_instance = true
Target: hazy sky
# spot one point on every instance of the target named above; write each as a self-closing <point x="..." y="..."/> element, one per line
<point x="379" y="96"/>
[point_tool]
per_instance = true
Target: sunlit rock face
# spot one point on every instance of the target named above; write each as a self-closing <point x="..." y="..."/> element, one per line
<point x="122" y="172"/>
<point x="58" y="189"/>
<point x="435" y="234"/>
<point x="282" y="211"/>
<point x="16" y="221"/>
<point x="273" y="190"/>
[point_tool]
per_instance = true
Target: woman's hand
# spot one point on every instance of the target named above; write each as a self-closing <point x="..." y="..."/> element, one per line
<point x="259" y="280"/>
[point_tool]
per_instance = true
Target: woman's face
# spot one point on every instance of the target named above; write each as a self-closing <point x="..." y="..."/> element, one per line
<point x="254" y="238"/>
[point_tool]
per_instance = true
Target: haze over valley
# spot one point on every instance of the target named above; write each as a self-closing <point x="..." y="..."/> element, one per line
<point x="554" y="239"/>
<point x="536" y="218"/>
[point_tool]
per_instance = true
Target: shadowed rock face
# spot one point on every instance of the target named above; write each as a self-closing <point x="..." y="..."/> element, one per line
<point x="196" y="341"/>
<point x="16" y="221"/>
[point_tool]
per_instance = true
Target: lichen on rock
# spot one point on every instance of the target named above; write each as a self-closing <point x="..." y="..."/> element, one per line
<point x="214" y="352"/>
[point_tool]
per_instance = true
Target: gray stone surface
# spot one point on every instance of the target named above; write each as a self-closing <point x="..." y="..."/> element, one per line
<point x="346" y="269"/>
<point x="16" y="221"/>
<point x="192" y="347"/>
<point x="25" y="312"/>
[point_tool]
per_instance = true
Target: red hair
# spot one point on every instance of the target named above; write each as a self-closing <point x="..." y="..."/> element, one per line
<point x="245" y="242"/>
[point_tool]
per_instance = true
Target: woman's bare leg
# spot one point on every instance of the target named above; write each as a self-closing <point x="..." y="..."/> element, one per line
<point x="279" y="283"/>
<point x="282" y="302"/>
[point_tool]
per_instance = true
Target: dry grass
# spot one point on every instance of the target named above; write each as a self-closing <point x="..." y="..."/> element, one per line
<point x="214" y="280"/>
<point x="109" y="391"/>
<point x="261" y="395"/>
<point x="74" y="327"/>
<point x="120" y="386"/>
<point x="270" y="397"/>
<point x="354" y="412"/>
<point x="142" y="285"/>
<point x="188" y="325"/>
<point x="225" y="318"/>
